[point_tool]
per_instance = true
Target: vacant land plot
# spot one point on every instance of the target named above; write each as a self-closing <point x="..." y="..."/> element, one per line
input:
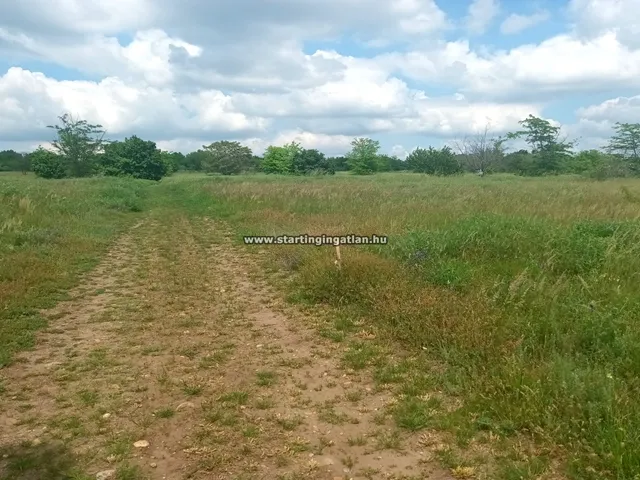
<point x="495" y="336"/>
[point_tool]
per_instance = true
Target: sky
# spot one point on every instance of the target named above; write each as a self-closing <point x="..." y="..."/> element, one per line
<point x="409" y="73"/>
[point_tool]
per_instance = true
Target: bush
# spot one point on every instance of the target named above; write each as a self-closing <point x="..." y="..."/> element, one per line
<point x="433" y="162"/>
<point x="134" y="157"/>
<point x="308" y="162"/>
<point x="47" y="164"/>
<point x="227" y="158"/>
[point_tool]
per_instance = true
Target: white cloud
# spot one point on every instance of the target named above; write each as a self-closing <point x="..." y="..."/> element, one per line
<point x="516" y="23"/>
<point x="595" y="17"/>
<point x="559" y="64"/>
<point x="400" y="151"/>
<point x="481" y="14"/>
<point x="620" y="109"/>
<point x="186" y="73"/>
<point x="31" y="101"/>
<point x="79" y="16"/>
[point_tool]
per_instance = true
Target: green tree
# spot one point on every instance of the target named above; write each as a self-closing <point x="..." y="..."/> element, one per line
<point x="397" y="165"/>
<point x="79" y="143"/>
<point x="433" y="161"/>
<point x="279" y="160"/>
<point x="311" y="162"/>
<point x="12" y="161"/>
<point x="549" y="151"/>
<point x="133" y="157"/>
<point x="227" y="158"/>
<point x="585" y="161"/>
<point x="173" y="160"/>
<point x="363" y="157"/>
<point x="47" y="164"/>
<point x="339" y="164"/>
<point x="626" y="143"/>
<point x="194" y="161"/>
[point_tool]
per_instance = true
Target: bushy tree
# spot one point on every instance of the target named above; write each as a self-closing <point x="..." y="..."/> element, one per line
<point x="227" y="158"/>
<point x="311" y="162"/>
<point x="626" y="143"/>
<point x="279" y="160"/>
<point x="173" y="160"/>
<point x="339" y="164"/>
<point x="12" y="161"/>
<point x="433" y="161"/>
<point x="47" y="164"/>
<point x="548" y="150"/>
<point x="133" y="157"/>
<point x="363" y="157"/>
<point x="194" y="161"/>
<point x="79" y="143"/>
<point x="585" y="161"/>
<point x="256" y="164"/>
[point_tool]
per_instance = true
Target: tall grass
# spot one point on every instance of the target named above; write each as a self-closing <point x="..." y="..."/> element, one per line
<point x="527" y="289"/>
<point x="50" y="232"/>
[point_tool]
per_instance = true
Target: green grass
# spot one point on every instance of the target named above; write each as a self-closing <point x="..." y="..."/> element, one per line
<point x="50" y="232"/>
<point x="522" y="291"/>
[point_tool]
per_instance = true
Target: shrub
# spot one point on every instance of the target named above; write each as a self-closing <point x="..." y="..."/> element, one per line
<point x="47" y="164"/>
<point x="133" y="157"/>
<point x="433" y="162"/>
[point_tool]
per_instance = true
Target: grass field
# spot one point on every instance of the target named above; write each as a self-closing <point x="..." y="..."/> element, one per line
<point x="502" y="317"/>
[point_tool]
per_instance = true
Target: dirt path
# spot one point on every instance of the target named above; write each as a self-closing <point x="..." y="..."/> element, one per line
<point x="175" y="360"/>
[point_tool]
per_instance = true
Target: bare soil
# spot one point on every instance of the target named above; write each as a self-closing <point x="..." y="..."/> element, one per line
<point x="177" y="344"/>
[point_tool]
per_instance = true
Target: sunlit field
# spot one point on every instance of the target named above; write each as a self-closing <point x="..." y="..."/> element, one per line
<point x="511" y="305"/>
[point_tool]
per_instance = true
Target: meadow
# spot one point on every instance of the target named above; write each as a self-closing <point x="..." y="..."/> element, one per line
<point x="509" y="306"/>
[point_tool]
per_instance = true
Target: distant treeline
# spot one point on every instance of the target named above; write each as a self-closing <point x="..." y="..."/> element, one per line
<point x="80" y="150"/>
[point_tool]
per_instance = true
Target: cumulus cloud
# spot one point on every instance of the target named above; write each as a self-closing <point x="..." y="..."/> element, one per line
<point x="186" y="73"/>
<point x="560" y="64"/>
<point x="30" y="101"/>
<point x="481" y="14"/>
<point x="516" y="23"/>
<point x="592" y="18"/>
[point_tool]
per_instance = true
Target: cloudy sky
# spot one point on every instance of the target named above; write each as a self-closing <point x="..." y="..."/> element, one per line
<point x="406" y="72"/>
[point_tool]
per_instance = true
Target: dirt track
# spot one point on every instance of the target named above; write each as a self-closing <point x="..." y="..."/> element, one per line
<point x="176" y="340"/>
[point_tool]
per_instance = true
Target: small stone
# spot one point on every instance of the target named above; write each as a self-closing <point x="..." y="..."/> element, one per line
<point x="111" y="458"/>
<point x="259" y="345"/>
<point x="106" y="415"/>
<point x="36" y="442"/>
<point x="105" y="474"/>
<point x="153" y="465"/>
<point x="141" y="444"/>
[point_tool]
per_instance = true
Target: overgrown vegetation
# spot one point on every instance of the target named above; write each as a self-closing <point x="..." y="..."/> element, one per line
<point x="49" y="233"/>
<point x="515" y="297"/>
<point x="524" y="291"/>
<point x="80" y="150"/>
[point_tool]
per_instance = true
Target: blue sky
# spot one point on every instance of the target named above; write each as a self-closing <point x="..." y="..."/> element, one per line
<point x="409" y="73"/>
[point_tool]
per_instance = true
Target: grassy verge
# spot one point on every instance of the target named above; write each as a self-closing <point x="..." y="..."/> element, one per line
<point x="524" y="290"/>
<point x="51" y="232"/>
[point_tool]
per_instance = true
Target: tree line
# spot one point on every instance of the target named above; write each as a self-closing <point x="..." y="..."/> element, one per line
<point x="80" y="149"/>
